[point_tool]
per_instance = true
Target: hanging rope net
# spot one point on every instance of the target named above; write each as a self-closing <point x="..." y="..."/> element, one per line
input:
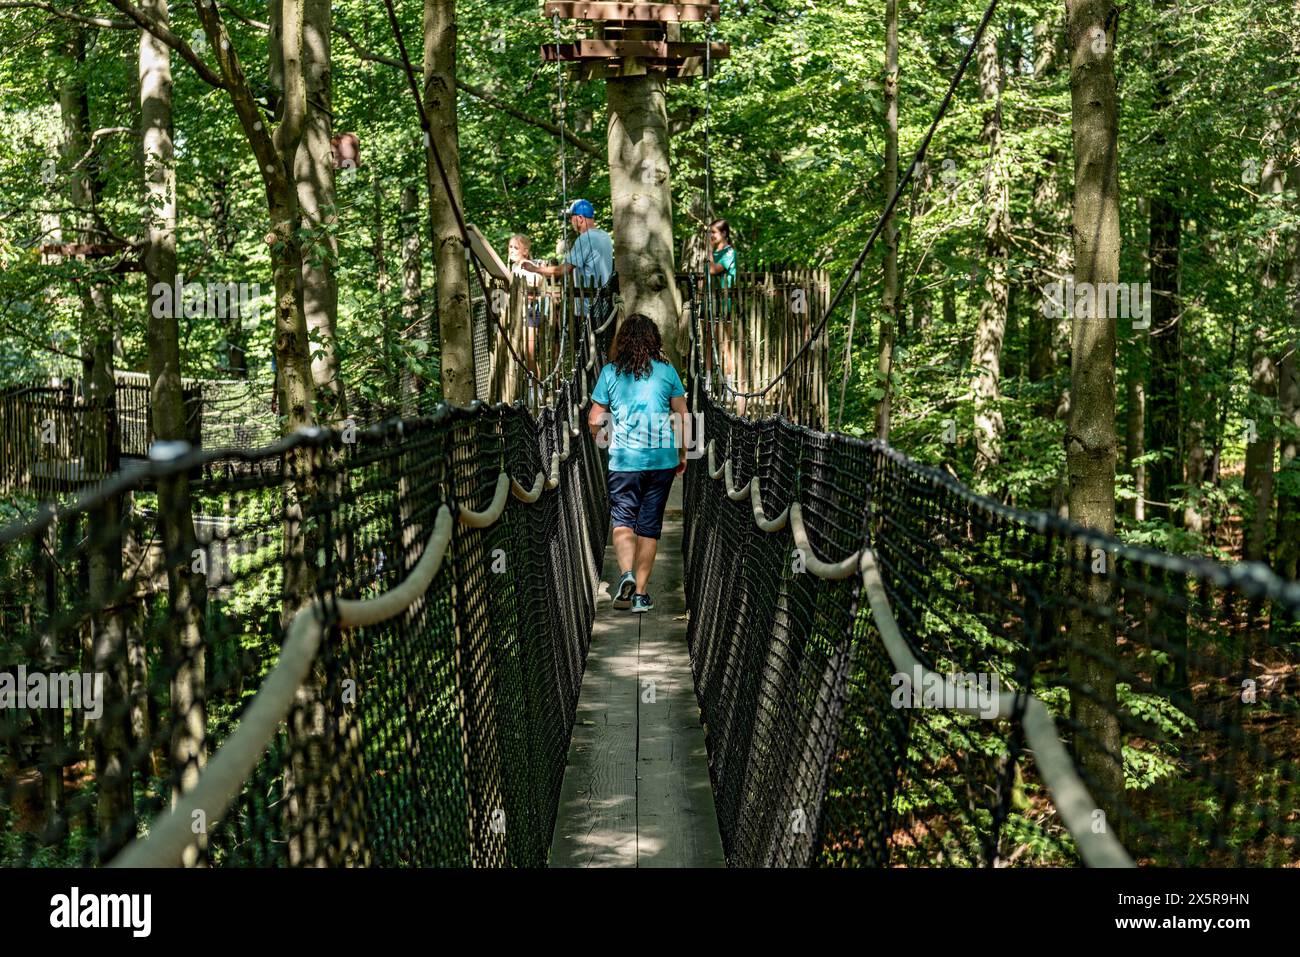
<point x="880" y="655"/>
<point x="377" y="663"/>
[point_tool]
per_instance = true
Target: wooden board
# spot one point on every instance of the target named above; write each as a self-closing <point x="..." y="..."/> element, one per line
<point x="642" y="12"/>
<point x="636" y="790"/>
<point x="485" y="254"/>
<point x="658" y="50"/>
<point x="613" y="69"/>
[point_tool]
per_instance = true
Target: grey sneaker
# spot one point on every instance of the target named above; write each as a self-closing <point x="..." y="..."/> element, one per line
<point x="642" y="604"/>
<point x="623" y="594"/>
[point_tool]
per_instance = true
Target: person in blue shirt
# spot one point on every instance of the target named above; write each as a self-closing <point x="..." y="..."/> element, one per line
<point x="590" y="259"/>
<point x="637" y="399"/>
<point x="722" y="270"/>
<point x="723" y="266"/>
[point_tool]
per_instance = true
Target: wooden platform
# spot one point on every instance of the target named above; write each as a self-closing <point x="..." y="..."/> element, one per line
<point x="636" y="791"/>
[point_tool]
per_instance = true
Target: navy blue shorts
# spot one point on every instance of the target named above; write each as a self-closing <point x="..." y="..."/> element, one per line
<point x="637" y="500"/>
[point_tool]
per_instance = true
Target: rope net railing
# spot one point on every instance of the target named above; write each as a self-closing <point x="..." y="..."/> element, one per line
<point x="433" y="734"/>
<point x="1171" y="681"/>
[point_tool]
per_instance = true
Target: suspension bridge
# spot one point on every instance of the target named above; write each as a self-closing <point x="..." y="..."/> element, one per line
<point x="455" y="689"/>
<point x="394" y="647"/>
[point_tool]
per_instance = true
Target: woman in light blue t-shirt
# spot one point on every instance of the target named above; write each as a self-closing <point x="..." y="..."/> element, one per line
<point x="634" y="404"/>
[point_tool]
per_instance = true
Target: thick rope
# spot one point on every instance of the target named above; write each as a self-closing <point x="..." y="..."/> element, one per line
<point x="1071" y="797"/>
<point x="170" y="835"/>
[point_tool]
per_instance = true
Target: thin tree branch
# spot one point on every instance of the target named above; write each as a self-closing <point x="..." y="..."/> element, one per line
<point x="102" y="22"/>
<point x="245" y="18"/>
<point x="95" y="137"/>
<point x="366" y="54"/>
<point x="478" y="93"/>
<point x="165" y="34"/>
<point x="32" y="340"/>
<point x="500" y="104"/>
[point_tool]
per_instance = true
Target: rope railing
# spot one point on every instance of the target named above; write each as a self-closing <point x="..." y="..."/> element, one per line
<point x="171" y="835"/>
<point x="960" y="715"/>
<point x="1070" y="795"/>
<point x="403" y="674"/>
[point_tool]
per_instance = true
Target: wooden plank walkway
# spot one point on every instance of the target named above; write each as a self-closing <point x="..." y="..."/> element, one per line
<point x="636" y="790"/>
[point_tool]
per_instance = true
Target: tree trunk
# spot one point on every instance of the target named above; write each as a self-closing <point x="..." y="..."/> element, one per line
<point x="1197" y="471"/>
<point x="391" y="347"/>
<point x="1288" y="476"/>
<point x="314" y="176"/>
<point x="275" y="154"/>
<point x="991" y="328"/>
<point x="413" y="324"/>
<point x="1045" y="334"/>
<point x="110" y="734"/>
<point x="889" y="297"/>
<point x="1047" y="47"/>
<point x="1287" y="563"/>
<point x="1048" y="335"/>
<point x="455" y="330"/>
<point x="1135" y="437"/>
<point x="1261" y="445"/>
<point x="1164" y="396"/>
<point x="1092" y="26"/>
<point x="187" y="589"/>
<point x="642" y="206"/>
<point x="234" y="350"/>
<point x="920" y="299"/>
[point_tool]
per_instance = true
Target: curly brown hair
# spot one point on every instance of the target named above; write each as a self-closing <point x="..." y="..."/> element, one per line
<point x="637" y="345"/>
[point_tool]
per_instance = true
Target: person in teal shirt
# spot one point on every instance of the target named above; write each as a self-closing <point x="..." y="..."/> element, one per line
<point x="637" y="399"/>
<point x="722" y="272"/>
<point x="723" y="267"/>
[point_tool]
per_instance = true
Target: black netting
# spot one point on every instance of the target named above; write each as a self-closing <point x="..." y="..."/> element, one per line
<point x="436" y="738"/>
<point x="1171" y="680"/>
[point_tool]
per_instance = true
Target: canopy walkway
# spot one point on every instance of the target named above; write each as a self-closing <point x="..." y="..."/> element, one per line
<point x="636" y="789"/>
<point x="391" y="649"/>
<point x="417" y="665"/>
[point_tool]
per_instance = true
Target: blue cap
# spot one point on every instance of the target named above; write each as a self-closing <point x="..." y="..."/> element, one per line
<point x="582" y="207"/>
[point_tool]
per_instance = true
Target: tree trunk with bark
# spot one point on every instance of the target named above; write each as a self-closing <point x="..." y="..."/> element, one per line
<point x="110" y="734"/>
<point x="889" y="296"/>
<point x="1090" y="442"/>
<point x="455" y="330"/>
<point x="990" y="330"/>
<point x="642" y="206"/>
<point x="413" y="324"/>
<point x="1262" y="436"/>
<point x="187" y="585"/>
<point x="1164" y="430"/>
<point x="1135" y="432"/>
<point x="314" y="181"/>
<point x="1288" y="477"/>
<point x="234" y="348"/>
<point x="1287" y="563"/>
